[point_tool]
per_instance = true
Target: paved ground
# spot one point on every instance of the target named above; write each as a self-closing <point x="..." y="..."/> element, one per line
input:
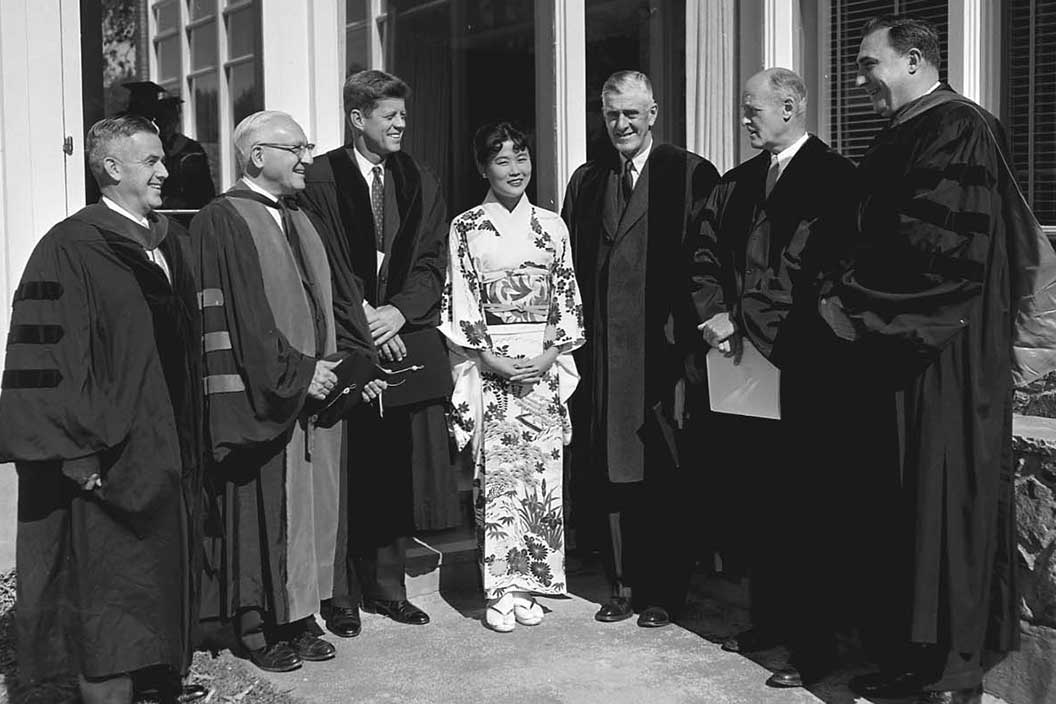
<point x="568" y="659"/>
<point x="8" y="505"/>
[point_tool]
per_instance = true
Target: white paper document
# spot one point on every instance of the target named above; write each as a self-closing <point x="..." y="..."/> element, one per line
<point x="751" y="388"/>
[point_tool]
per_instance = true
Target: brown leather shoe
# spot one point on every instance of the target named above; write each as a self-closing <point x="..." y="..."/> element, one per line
<point x="618" y="608"/>
<point x="973" y="695"/>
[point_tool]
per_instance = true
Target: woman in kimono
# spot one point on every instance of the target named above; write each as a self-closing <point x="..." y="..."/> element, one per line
<point x="512" y="315"/>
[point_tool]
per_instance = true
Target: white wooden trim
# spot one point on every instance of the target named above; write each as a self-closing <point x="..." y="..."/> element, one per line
<point x="781" y="26"/>
<point x="376" y="11"/>
<point x="224" y="117"/>
<point x="824" y="72"/>
<point x="560" y="88"/>
<point x="974" y="51"/>
<point x="327" y="61"/>
<point x="712" y="120"/>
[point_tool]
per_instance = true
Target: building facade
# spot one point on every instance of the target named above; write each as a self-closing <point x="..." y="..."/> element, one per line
<point x="539" y="63"/>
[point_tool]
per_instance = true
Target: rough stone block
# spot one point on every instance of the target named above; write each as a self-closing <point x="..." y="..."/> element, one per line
<point x="1029" y="675"/>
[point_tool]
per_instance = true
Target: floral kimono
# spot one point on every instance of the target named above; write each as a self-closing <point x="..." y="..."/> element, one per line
<point x="511" y="289"/>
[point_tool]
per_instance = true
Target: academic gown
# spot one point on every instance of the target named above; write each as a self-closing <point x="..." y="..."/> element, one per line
<point x="403" y="471"/>
<point x="928" y="291"/>
<point x="273" y="476"/>
<point x="103" y="367"/>
<point x="762" y="259"/>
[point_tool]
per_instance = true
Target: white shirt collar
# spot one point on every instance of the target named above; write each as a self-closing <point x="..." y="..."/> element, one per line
<point x="785" y="155"/>
<point x="640" y="158"/>
<point x="938" y="84"/>
<point x="139" y="220"/>
<point x="366" y="167"/>
<point x="254" y="187"/>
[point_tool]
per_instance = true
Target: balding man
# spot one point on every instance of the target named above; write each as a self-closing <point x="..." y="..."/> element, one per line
<point x="770" y="229"/>
<point x="100" y="413"/>
<point x="628" y="215"/>
<point x="268" y="323"/>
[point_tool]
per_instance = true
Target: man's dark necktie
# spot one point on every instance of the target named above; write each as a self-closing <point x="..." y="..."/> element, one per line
<point x="377" y="204"/>
<point x="626" y="184"/>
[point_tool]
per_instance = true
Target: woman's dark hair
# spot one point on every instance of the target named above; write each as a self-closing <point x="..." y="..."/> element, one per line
<point x="488" y="140"/>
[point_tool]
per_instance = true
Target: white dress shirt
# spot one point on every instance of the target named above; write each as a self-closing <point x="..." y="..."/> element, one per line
<point x="785" y="155"/>
<point x="275" y="213"/>
<point x="638" y="161"/>
<point x="154" y="255"/>
<point x="366" y="167"/>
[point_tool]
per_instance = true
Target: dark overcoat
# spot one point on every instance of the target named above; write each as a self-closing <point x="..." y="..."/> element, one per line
<point x="632" y="272"/>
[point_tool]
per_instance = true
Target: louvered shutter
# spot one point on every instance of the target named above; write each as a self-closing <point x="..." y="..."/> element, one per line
<point x="853" y="124"/>
<point x="1030" y="100"/>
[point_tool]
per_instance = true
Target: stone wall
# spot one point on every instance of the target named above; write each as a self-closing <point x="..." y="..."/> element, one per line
<point x="1029" y="676"/>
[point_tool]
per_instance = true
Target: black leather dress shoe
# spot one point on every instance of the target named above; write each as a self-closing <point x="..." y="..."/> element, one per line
<point x="973" y="695"/>
<point x="785" y="678"/>
<point x="401" y="611"/>
<point x="750" y="641"/>
<point x="277" y="657"/>
<point x="654" y="617"/>
<point x="882" y="685"/>
<point x="192" y="693"/>
<point x="312" y="648"/>
<point x="618" y="608"/>
<point x="343" y="622"/>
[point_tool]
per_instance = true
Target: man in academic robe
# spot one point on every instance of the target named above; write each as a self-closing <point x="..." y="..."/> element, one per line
<point x="268" y="323"/>
<point x="628" y="216"/>
<point x="382" y="218"/>
<point x="769" y="231"/>
<point x="926" y="297"/>
<point x="189" y="185"/>
<point x="100" y="412"/>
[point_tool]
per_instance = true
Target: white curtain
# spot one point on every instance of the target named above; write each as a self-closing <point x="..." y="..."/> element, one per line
<point x="712" y="118"/>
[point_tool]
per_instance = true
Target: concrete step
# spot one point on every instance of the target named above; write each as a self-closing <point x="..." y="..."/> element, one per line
<point x="434" y="558"/>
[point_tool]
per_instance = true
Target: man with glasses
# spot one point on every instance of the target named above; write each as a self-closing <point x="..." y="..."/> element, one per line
<point x="267" y="324"/>
<point x="383" y="222"/>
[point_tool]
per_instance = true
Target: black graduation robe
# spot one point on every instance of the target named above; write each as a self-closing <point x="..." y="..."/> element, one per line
<point x="639" y="319"/>
<point x="272" y="476"/>
<point x="103" y="369"/>
<point x="928" y="290"/>
<point x="403" y="470"/>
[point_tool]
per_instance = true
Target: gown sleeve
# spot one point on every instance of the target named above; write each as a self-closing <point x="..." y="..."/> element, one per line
<point x="564" y="323"/>
<point x="256" y="383"/>
<point x="462" y="323"/>
<point x="59" y="401"/>
<point x="417" y="299"/>
<point x="708" y="283"/>
<point x="912" y="289"/>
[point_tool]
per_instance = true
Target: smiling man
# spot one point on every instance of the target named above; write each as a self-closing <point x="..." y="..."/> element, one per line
<point x="628" y="215"/>
<point x="268" y="323"/>
<point x="926" y="297"/>
<point x="100" y="413"/>
<point x="383" y="221"/>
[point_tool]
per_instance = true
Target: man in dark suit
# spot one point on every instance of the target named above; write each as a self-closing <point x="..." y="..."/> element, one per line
<point x="771" y="228"/>
<point x="383" y="222"/>
<point x="628" y="215"/>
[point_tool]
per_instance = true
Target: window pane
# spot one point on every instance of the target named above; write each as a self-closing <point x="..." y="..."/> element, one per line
<point x="167" y="15"/>
<point x="853" y="124"/>
<point x="246" y="97"/>
<point x="468" y="63"/>
<point x="203" y="46"/>
<point x="169" y="58"/>
<point x="355" y="50"/>
<point x="207" y="120"/>
<point x="1029" y="109"/>
<point x="201" y="8"/>
<point x="355" y="11"/>
<point x="242" y="33"/>
<point x="642" y="35"/>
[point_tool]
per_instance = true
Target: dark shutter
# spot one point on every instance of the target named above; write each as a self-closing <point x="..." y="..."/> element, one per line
<point x="853" y="123"/>
<point x="1029" y="105"/>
